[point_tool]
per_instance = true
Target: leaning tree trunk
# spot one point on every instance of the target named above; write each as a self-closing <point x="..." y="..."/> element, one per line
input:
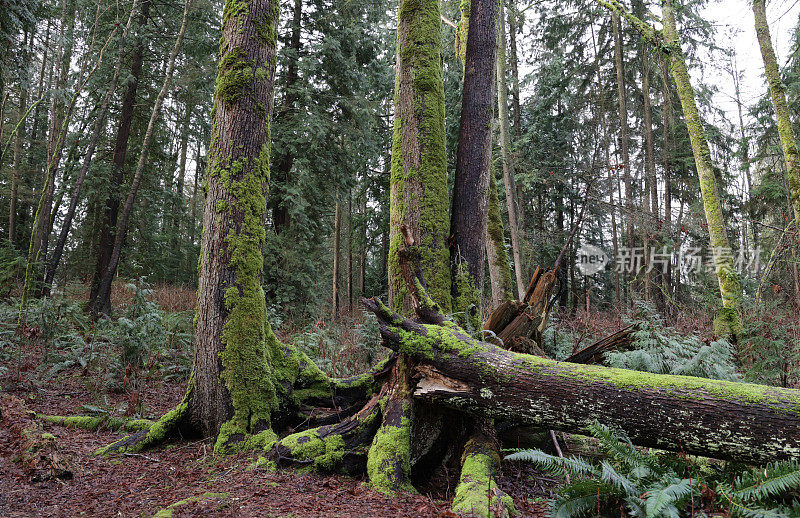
<point x="99" y="125"/>
<point x="728" y="321"/>
<point x="719" y="419"/>
<point x="778" y="92"/>
<point x="102" y="303"/>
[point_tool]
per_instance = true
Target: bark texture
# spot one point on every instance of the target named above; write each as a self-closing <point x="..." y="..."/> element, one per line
<point x="473" y="161"/>
<point x="718" y="419"/>
<point x="418" y="184"/>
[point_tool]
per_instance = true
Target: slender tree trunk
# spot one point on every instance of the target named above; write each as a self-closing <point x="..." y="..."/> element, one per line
<point x="669" y="232"/>
<point x="623" y="128"/>
<point x="513" y="21"/>
<point x="505" y="154"/>
<point x="284" y="159"/>
<point x="778" y="92"/>
<point x="179" y="211"/>
<point x="499" y="269"/>
<point x="99" y="125"/>
<point x="103" y="302"/>
<point x="728" y="321"/>
<point x="56" y="136"/>
<point x="16" y="173"/>
<point x="337" y="239"/>
<point x="473" y="161"/>
<point x="105" y="240"/>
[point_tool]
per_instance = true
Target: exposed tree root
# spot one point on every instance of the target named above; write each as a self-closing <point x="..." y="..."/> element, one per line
<point x="331" y="448"/>
<point x="104" y="422"/>
<point x="477" y="493"/>
<point x="152" y="435"/>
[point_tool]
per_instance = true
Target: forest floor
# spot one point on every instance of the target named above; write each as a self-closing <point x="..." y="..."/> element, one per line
<point x="143" y="484"/>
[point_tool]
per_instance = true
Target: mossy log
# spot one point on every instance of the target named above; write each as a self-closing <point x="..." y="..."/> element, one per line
<point x="718" y="419"/>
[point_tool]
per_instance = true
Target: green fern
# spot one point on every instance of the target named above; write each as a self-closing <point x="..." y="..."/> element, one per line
<point x="584" y="498"/>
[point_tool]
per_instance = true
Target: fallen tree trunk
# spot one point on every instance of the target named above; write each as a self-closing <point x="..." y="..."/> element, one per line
<point x="719" y="419"/>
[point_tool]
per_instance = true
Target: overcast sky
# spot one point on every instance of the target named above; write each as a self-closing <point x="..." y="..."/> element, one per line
<point x="736" y="28"/>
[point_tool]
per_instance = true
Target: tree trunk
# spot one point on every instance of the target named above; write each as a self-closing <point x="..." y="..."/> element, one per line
<point x="418" y="185"/>
<point x="623" y="128"/>
<point x="778" y="92"/>
<point x="513" y="21"/>
<point x="719" y="419"/>
<point x="499" y="269"/>
<point x="667" y="159"/>
<point x="102" y="304"/>
<point x="279" y="199"/>
<point x="56" y="137"/>
<point x="16" y="173"/>
<point x="105" y="239"/>
<point x="505" y="151"/>
<point x="728" y="321"/>
<point x="99" y="125"/>
<point x="473" y="162"/>
<point x="337" y="239"/>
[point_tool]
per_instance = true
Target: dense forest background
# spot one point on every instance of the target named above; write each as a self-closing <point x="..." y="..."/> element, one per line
<point x="105" y="131"/>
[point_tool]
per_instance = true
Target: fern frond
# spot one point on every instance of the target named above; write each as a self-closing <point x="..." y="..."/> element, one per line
<point x="557" y="465"/>
<point x="662" y="501"/>
<point x="583" y="498"/>
<point x="768" y="482"/>
<point x="610" y="475"/>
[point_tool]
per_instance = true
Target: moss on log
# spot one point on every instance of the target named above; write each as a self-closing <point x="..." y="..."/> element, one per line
<point x="719" y="419"/>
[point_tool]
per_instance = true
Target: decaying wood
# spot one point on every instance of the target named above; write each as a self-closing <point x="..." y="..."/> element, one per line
<point x="717" y="419"/>
<point x="593" y="353"/>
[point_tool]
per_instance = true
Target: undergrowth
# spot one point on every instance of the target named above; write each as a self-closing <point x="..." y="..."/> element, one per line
<point x="639" y="483"/>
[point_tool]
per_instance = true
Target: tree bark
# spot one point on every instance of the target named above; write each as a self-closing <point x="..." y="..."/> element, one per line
<point x="497" y="258"/>
<point x="473" y="161"/>
<point x="418" y="179"/>
<point x="337" y="239"/>
<point x="505" y="151"/>
<point x="719" y="419"/>
<point x="102" y="304"/>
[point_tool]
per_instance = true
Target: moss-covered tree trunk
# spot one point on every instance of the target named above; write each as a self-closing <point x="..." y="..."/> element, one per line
<point x="719" y="419"/>
<point x="418" y="188"/>
<point x="234" y="391"/>
<point x="496" y="255"/>
<point x="778" y="92"/>
<point x="505" y="151"/>
<point x="728" y="321"/>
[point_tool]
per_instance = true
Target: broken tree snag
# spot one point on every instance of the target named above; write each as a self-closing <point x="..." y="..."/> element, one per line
<point x="593" y="353"/>
<point x="477" y="493"/>
<point x="518" y="326"/>
<point x="719" y="419"/>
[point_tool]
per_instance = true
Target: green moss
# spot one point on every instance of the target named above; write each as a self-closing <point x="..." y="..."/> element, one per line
<point x="103" y="422"/>
<point x="167" y="513"/>
<point x="324" y="454"/>
<point x="419" y="174"/>
<point x="477" y="493"/>
<point x="500" y="270"/>
<point x="267" y="25"/>
<point x="234" y="74"/>
<point x="466" y="298"/>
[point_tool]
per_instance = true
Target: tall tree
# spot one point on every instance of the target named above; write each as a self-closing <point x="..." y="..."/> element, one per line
<point x="102" y="303"/>
<point x="777" y="90"/>
<point x="418" y="183"/>
<point x="728" y="320"/>
<point x="105" y="233"/>
<point x="473" y="161"/>
<point x="505" y="152"/>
